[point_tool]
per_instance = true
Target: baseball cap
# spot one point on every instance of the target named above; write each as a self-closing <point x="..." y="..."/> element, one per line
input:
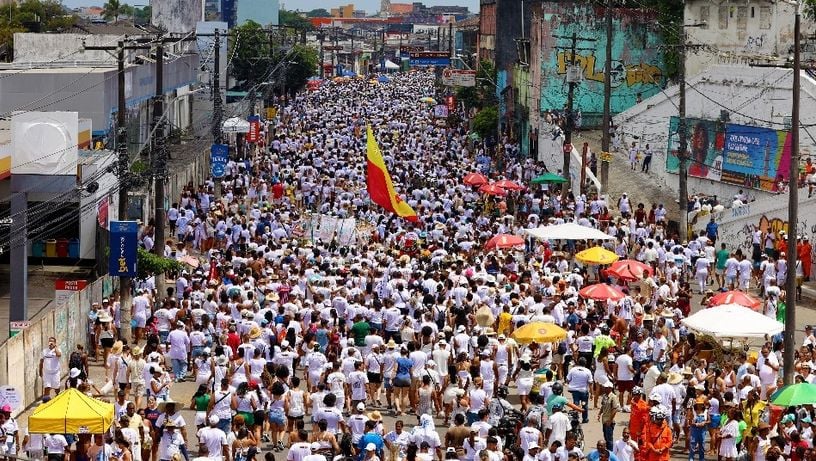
<point x="371" y="447"/>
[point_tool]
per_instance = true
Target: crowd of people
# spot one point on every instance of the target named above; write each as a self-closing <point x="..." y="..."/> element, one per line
<point x="303" y="346"/>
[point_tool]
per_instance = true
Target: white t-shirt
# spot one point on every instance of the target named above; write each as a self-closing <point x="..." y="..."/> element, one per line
<point x="55" y="443"/>
<point x="625" y="451"/>
<point x="179" y="344"/>
<point x="579" y="379"/>
<point x="559" y="424"/>
<point x="357" y="381"/>
<point x="214" y="439"/>
<point x="624" y="361"/>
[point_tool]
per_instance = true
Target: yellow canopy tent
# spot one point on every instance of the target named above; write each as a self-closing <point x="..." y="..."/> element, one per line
<point x="71" y="412"/>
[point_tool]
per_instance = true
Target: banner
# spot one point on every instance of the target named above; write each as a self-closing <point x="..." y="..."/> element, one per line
<point x="219" y="155"/>
<point x="122" y="246"/>
<point x="254" y="133"/>
<point x="64" y="289"/>
<point x="459" y="77"/>
<point x="747" y="156"/>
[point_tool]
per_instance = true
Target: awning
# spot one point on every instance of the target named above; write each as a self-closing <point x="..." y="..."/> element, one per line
<point x="568" y="231"/>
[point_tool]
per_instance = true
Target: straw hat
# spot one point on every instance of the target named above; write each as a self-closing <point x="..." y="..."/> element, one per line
<point x="254" y="332"/>
<point x="117" y="347"/>
<point x="136" y="351"/>
<point x="674" y="378"/>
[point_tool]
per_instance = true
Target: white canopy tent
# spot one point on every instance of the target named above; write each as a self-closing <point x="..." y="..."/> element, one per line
<point x="732" y="321"/>
<point x="389" y="65"/>
<point x="235" y="125"/>
<point x="567" y="231"/>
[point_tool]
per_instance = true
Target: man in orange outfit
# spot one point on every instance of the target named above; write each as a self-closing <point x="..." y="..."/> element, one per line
<point x="638" y="419"/>
<point x="804" y="250"/>
<point x="657" y="436"/>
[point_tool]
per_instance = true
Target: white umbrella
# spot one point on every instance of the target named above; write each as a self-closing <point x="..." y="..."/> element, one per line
<point x="733" y="321"/>
<point x="235" y="125"/>
<point x="568" y="231"/>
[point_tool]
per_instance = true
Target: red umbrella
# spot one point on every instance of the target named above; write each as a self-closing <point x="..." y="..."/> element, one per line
<point x="735" y="297"/>
<point x="492" y="189"/>
<point x="509" y="185"/>
<point x="601" y="292"/>
<point x="474" y="179"/>
<point x="504" y="241"/>
<point x="629" y="270"/>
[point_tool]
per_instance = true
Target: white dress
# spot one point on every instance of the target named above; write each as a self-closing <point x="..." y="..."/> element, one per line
<point x="600" y="375"/>
<point x="728" y="447"/>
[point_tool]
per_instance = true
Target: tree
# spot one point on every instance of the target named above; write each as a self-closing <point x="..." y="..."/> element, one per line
<point x="142" y="15"/>
<point x="318" y="13"/>
<point x="304" y="65"/>
<point x="485" y="123"/>
<point x="250" y="51"/>
<point x="112" y="10"/>
<point x="32" y="16"/>
<point x="294" y="19"/>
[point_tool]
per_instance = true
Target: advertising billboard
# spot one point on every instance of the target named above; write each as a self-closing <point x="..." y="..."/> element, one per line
<point x="748" y="156"/>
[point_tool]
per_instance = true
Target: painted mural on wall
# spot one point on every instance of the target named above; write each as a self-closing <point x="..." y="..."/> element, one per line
<point x="637" y="67"/>
<point x="747" y="156"/>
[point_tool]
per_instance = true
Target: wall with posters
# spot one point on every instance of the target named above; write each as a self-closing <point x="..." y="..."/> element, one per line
<point x="747" y="156"/>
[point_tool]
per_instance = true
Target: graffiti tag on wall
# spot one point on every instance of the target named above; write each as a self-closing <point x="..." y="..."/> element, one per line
<point x="632" y="74"/>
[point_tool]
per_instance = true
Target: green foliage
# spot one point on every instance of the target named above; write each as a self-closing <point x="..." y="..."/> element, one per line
<point x="148" y="264"/>
<point x="294" y="19"/>
<point x="113" y="9"/>
<point x="469" y="96"/>
<point x="250" y="51"/>
<point x="305" y="59"/>
<point x="32" y="16"/>
<point x="486" y="122"/>
<point x="670" y="26"/>
<point x="142" y="15"/>
<point x="809" y="10"/>
<point x="318" y="13"/>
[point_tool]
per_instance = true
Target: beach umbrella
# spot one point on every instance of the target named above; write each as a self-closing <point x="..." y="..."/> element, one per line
<point x="629" y="270"/>
<point x="549" y="178"/>
<point x="502" y="241"/>
<point x="735" y="297"/>
<point x="734" y="322"/>
<point x="428" y="100"/>
<point x="601" y="292"/>
<point x="509" y="185"/>
<point x="540" y="332"/>
<point x="794" y="395"/>
<point x="475" y="179"/>
<point x="596" y="255"/>
<point x="492" y="189"/>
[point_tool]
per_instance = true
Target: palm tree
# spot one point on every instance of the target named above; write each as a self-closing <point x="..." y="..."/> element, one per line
<point x="113" y="8"/>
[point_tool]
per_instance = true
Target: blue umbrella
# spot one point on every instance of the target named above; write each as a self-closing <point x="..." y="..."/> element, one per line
<point x="383" y="79"/>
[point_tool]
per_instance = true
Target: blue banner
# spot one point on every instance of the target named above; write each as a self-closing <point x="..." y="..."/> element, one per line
<point x="123" y="244"/>
<point x="219" y="155"/>
<point x="430" y="61"/>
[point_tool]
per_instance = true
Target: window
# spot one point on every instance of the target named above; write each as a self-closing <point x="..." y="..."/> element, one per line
<point x="742" y="18"/>
<point x="752" y="12"/>
<point x="764" y="17"/>
<point x="704" y="16"/>
<point x="722" y="16"/>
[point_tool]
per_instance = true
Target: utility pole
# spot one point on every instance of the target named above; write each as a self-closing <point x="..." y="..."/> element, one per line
<point x="451" y="51"/>
<point x="567" y="148"/>
<point x="320" y="37"/>
<point x="682" y="153"/>
<point x="430" y="32"/>
<point x="218" y="108"/>
<point x="160" y="162"/>
<point x="382" y="51"/>
<point x="123" y="170"/>
<point x="438" y="42"/>
<point x="793" y="205"/>
<point x="335" y="57"/>
<point x="607" y="103"/>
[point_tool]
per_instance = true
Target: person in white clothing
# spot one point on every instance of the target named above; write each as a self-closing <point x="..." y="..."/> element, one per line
<point x="50" y="367"/>
<point x="213" y="440"/>
<point x="625" y="447"/>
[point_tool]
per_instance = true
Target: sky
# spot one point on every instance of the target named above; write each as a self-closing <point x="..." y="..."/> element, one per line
<point x="371" y="6"/>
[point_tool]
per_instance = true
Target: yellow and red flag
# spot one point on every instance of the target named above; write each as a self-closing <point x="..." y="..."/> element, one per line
<point x="379" y="184"/>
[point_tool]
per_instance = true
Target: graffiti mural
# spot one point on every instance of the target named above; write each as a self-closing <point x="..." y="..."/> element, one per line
<point x="637" y="66"/>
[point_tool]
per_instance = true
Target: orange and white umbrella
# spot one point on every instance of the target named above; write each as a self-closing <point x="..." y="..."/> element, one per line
<point x="502" y="241"/>
<point x="492" y="189"/>
<point x="601" y="292"/>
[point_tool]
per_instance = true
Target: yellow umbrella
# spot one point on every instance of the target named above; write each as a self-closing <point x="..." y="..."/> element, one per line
<point x="540" y="332"/>
<point x="596" y="255"/>
<point x="71" y="412"/>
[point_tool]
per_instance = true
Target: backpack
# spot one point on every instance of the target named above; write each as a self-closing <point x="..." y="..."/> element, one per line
<point x="75" y="361"/>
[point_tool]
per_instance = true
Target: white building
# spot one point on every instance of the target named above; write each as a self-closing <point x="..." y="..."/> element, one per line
<point x="755" y="97"/>
<point x="739" y="32"/>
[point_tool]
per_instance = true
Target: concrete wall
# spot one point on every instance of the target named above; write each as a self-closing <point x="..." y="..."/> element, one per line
<point x="753" y="97"/>
<point x="637" y="66"/>
<point x="176" y="16"/>
<point x="487" y="30"/>
<point x="740" y="32"/>
<point x="34" y="47"/>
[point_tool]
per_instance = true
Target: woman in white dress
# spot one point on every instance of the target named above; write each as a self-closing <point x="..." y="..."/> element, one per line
<point x="603" y="370"/>
<point x="728" y="438"/>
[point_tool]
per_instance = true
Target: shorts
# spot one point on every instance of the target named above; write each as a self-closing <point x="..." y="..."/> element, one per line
<point x="625" y="386"/>
<point x="524" y="386"/>
<point x="374" y="378"/>
<point x="277" y="417"/>
<point x="387" y="383"/>
<point x="558" y="358"/>
<point x="51" y="380"/>
<point x="200" y="418"/>
<point x="249" y="418"/>
<point x="715" y="422"/>
<point x="140" y="320"/>
<point x="107" y="343"/>
<point x="139" y="389"/>
<point x="403" y="381"/>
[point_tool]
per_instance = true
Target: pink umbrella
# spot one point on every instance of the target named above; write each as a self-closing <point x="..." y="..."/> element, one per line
<point x="504" y="241"/>
<point x="601" y="292"/>
<point x="474" y="179"/>
<point x="492" y="189"/>
<point x="509" y="185"/>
